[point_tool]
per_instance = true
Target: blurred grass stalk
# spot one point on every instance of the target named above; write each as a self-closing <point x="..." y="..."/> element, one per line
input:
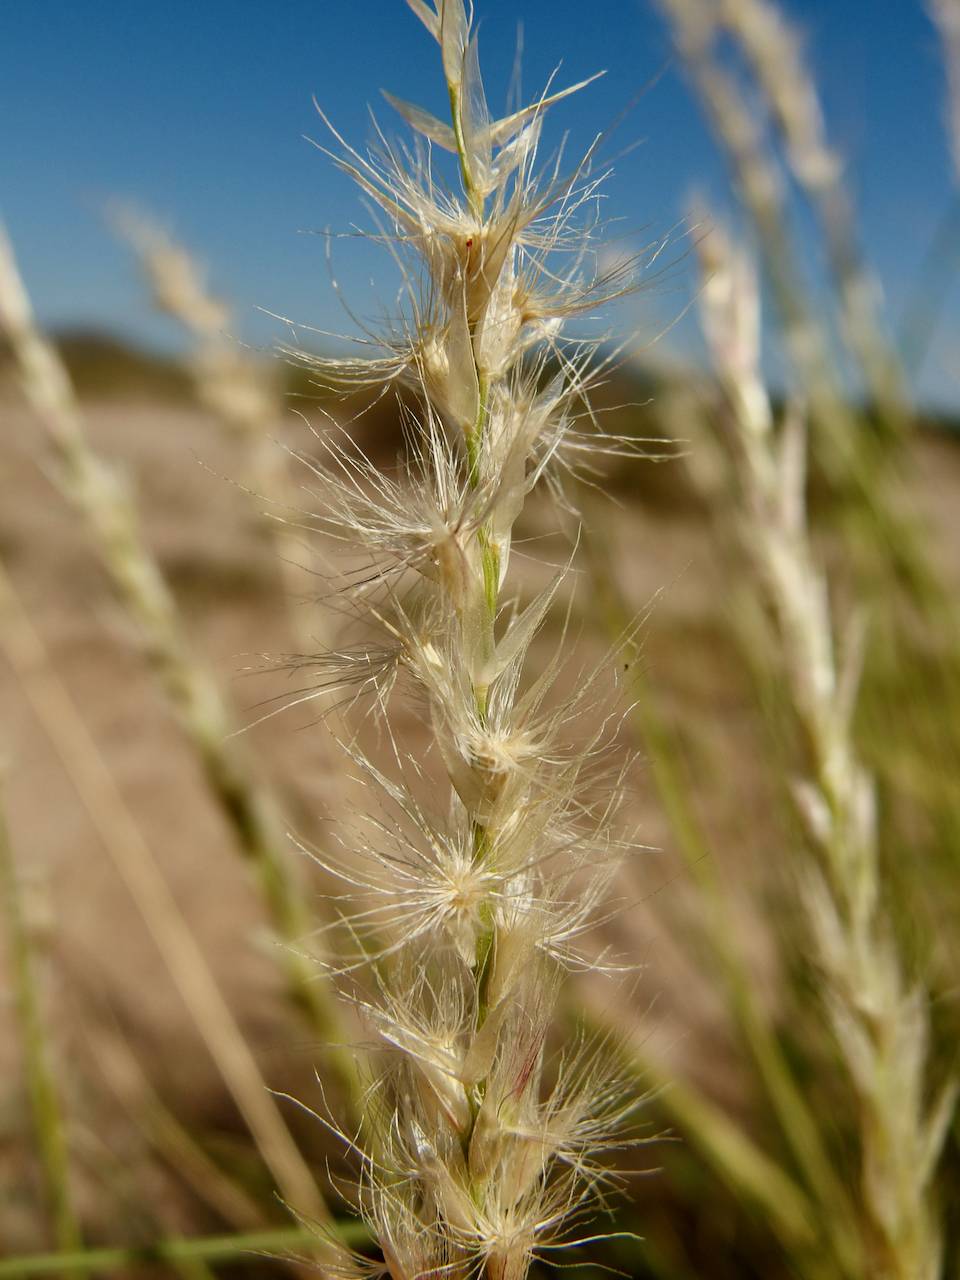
<point x="760" y="187"/>
<point x="941" y="261"/>
<point x="854" y="456"/>
<point x="752" y="1175"/>
<point x="945" y="15"/>
<point x="775" y="55"/>
<point x="39" y="1071"/>
<point x="865" y="476"/>
<point x="236" y="389"/>
<point x="133" y="859"/>
<point x="104" y="501"/>
<point x="879" y="1016"/>
<point x="122" y="1072"/>
<point x="733" y="1154"/>
<point x="271" y="1246"/>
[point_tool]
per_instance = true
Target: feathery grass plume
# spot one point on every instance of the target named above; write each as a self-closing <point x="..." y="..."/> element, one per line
<point x="878" y="1014"/>
<point x="100" y="494"/>
<point x="477" y="1151"/>
<point x="852" y="457"/>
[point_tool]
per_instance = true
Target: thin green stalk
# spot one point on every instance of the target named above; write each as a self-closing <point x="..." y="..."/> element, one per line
<point x="456" y="115"/>
<point x="41" y="1082"/>
<point x="205" y="1249"/>
<point x="490" y="568"/>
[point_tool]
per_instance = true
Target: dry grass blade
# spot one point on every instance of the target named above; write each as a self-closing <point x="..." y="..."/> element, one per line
<point x="127" y="1080"/>
<point x="133" y="859"/>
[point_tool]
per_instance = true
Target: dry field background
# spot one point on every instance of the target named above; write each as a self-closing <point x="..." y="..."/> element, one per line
<point x="128" y="1058"/>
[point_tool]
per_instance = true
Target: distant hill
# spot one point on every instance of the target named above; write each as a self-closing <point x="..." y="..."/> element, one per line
<point x="102" y="365"/>
<point x="629" y="401"/>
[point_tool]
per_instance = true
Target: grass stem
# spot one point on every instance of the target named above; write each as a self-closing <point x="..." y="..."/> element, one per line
<point x="44" y="1096"/>
<point x="226" y="1248"/>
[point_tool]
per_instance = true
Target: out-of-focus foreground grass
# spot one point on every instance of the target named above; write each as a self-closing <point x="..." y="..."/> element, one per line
<point x="160" y="984"/>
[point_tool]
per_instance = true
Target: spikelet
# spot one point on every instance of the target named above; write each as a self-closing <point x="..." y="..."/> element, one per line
<point x="462" y="909"/>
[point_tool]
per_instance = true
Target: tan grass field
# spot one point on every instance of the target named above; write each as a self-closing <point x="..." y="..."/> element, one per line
<point x="120" y="1033"/>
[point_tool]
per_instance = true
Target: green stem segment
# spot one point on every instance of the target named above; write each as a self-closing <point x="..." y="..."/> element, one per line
<point x="44" y="1099"/>
<point x="474" y="198"/>
<point x="489" y="560"/>
<point x="208" y="1248"/>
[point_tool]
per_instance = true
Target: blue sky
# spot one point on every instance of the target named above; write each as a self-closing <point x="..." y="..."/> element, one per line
<point x="198" y="109"/>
